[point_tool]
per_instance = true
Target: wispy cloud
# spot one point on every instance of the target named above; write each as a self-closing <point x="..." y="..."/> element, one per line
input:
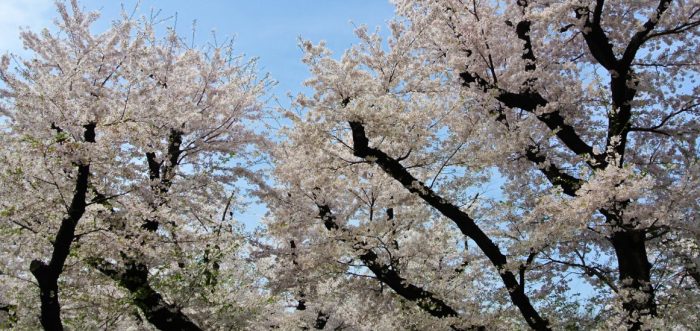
<point x="32" y="14"/>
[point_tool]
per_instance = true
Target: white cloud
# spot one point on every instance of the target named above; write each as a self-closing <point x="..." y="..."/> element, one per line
<point x="32" y="14"/>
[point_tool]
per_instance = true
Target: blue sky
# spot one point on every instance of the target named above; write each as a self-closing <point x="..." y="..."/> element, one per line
<point x="268" y="29"/>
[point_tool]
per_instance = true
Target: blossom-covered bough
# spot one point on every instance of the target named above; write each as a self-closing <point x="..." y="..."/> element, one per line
<point x="490" y="165"/>
<point x="587" y="111"/>
<point x="120" y="155"/>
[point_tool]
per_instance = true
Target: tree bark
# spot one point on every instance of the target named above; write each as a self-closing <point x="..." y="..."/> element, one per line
<point x="47" y="274"/>
<point x="390" y="276"/>
<point x="134" y="277"/>
<point x="634" y="272"/>
<point x="464" y="222"/>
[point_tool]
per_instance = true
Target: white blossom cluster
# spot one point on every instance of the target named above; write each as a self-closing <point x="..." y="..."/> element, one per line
<point x="484" y="165"/>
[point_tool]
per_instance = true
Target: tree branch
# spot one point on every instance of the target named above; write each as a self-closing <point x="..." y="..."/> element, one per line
<point x="595" y="37"/>
<point x="47" y="274"/>
<point x="529" y="101"/>
<point x="641" y="36"/>
<point x="389" y="276"/>
<point x="556" y="176"/>
<point x="463" y="221"/>
<point x="134" y="277"/>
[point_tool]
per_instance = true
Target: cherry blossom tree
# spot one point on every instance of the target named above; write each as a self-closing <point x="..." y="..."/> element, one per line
<point x="497" y="164"/>
<point x="486" y="165"/>
<point x="120" y="155"/>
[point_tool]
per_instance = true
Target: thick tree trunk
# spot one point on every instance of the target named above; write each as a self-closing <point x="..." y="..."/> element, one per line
<point x="158" y="312"/>
<point x="48" y="293"/>
<point x="47" y="274"/>
<point x="634" y="272"/>
<point x="134" y="277"/>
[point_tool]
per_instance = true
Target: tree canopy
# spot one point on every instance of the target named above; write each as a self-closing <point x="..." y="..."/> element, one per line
<point x="483" y="165"/>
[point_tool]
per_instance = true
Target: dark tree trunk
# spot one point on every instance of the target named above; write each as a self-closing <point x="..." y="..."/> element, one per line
<point x="48" y="293"/>
<point x="47" y="274"/>
<point x="134" y="277"/>
<point x="634" y="274"/>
